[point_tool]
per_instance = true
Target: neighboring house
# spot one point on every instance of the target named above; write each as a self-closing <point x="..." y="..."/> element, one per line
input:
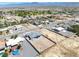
<point x="64" y="32"/>
<point x="12" y="42"/>
<point x="13" y="18"/>
<point x="17" y="29"/>
<point x="12" y="29"/>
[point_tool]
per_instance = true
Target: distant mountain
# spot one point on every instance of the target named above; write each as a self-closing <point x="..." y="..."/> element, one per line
<point x="15" y="4"/>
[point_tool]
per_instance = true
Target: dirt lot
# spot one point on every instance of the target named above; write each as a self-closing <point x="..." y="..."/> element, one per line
<point x="59" y="51"/>
<point x="64" y="47"/>
<point x="53" y="36"/>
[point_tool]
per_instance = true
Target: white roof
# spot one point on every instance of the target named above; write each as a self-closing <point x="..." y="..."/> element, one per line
<point x="10" y="42"/>
<point x="18" y="39"/>
<point x="60" y="28"/>
<point x="64" y="31"/>
<point x="14" y="41"/>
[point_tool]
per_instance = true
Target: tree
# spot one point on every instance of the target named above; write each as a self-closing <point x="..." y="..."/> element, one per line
<point x="1" y="25"/>
<point x="13" y="23"/>
<point x="74" y="28"/>
<point x="49" y="12"/>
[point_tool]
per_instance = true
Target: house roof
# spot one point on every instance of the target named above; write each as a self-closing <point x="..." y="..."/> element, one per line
<point x="33" y="34"/>
<point x="14" y="41"/>
<point x="60" y="28"/>
<point x="66" y="33"/>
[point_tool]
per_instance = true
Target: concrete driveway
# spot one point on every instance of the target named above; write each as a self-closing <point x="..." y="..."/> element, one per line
<point x="28" y="50"/>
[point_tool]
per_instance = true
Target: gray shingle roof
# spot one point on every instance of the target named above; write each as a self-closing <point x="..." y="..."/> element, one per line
<point x="33" y="34"/>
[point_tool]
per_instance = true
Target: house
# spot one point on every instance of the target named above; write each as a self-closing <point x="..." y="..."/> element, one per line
<point x="12" y="42"/>
<point x="32" y="34"/>
<point x="58" y="29"/>
<point x="64" y="32"/>
<point x="17" y="29"/>
<point x="12" y="29"/>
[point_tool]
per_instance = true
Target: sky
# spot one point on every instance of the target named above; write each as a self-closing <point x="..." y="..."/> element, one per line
<point x="6" y="3"/>
<point x="14" y="4"/>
